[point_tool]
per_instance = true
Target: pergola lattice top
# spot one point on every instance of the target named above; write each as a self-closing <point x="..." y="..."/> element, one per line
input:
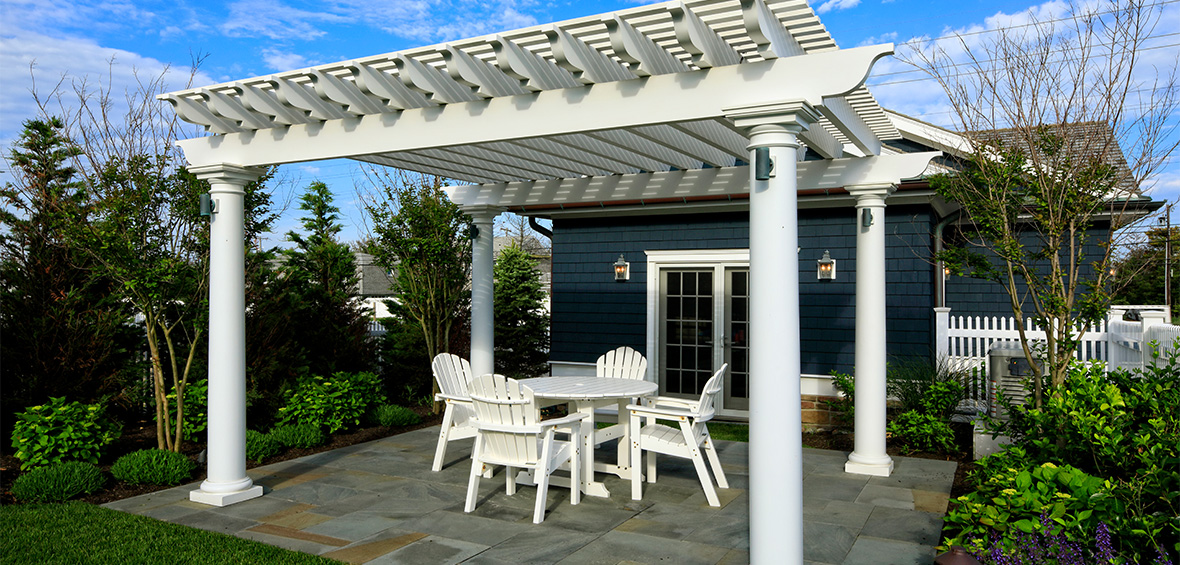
<point x="648" y="41"/>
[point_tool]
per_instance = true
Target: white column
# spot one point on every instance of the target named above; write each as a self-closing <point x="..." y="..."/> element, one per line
<point x="227" y="482"/>
<point x="868" y="456"/>
<point x="942" y="332"/>
<point x="776" y="448"/>
<point x="482" y="308"/>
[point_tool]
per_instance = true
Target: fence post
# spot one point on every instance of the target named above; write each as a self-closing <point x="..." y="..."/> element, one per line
<point x="942" y="334"/>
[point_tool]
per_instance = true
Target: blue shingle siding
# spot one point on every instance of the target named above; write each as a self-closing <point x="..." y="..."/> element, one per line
<point x="592" y="313"/>
<point x="976" y="297"/>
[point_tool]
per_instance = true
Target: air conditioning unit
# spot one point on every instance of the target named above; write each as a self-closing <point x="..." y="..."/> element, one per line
<point x="1008" y="371"/>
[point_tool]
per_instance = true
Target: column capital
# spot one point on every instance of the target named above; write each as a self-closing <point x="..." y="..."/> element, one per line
<point x="227" y="173"/>
<point x="870" y="194"/>
<point x="791" y="115"/>
<point x="483" y="212"/>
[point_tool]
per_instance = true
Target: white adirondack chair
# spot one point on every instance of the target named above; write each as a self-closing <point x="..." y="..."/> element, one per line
<point x="619" y="363"/>
<point x="688" y="440"/>
<point x="453" y="374"/>
<point x="512" y="434"/>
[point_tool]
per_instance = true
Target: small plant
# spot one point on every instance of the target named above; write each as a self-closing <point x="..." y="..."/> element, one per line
<point x="259" y="446"/>
<point x="915" y="431"/>
<point x="392" y="416"/>
<point x="909" y="380"/>
<point x="61" y="431"/>
<point x="941" y="398"/>
<point x="335" y="403"/>
<point x="57" y="482"/>
<point x="196" y="409"/>
<point x="302" y="436"/>
<point x="153" y="467"/>
<point x="845" y="406"/>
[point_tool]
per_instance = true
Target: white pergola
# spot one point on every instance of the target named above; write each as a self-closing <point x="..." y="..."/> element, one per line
<point x="664" y="103"/>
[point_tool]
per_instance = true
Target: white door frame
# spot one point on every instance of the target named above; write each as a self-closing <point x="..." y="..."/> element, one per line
<point x="690" y="259"/>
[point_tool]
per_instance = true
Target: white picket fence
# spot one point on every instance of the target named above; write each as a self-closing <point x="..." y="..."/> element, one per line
<point x="963" y="342"/>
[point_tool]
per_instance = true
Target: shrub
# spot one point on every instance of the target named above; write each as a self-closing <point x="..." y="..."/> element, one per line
<point x="333" y="404"/>
<point x="845" y="406"/>
<point x="941" y="398"/>
<point x="153" y="467"/>
<point x="259" y="446"/>
<point x="1010" y="500"/>
<point x="915" y="431"/>
<point x="302" y="436"/>
<point x="57" y="482"/>
<point x="909" y="380"/>
<point x="61" y="431"/>
<point x="196" y="409"/>
<point x="392" y="416"/>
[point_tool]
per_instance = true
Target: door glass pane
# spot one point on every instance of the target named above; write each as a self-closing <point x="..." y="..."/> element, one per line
<point x="737" y="351"/>
<point x="687" y="309"/>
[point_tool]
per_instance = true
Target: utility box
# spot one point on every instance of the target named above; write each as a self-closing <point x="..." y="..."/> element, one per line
<point x="1008" y="370"/>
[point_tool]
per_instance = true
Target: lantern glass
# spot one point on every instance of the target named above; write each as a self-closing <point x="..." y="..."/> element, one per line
<point x="825" y="268"/>
<point x="622" y="269"/>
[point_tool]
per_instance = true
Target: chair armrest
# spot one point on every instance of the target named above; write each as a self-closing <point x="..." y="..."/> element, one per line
<point x="570" y="419"/>
<point x="649" y="411"/>
<point x="452" y="398"/>
<point x="671" y="402"/>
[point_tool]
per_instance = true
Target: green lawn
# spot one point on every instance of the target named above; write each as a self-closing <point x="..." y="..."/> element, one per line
<point x="76" y="532"/>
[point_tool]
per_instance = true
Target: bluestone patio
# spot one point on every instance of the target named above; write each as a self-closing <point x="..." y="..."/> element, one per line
<point x="378" y="502"/>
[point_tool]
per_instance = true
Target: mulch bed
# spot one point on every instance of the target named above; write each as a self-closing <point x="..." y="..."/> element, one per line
<point x="143" y="436"/>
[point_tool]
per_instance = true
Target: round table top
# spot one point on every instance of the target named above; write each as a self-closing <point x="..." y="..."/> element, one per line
<point x="589" y="387"/>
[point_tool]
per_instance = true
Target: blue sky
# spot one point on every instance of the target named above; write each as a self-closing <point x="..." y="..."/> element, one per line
<point x="246" y="38"/>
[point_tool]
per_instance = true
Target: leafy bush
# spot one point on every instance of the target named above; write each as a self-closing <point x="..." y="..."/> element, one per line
<point x="401" y="351"/>
<point x="915" y="431"/>
<point x="909" y="380"/>
<point x="1123" y="431"/>
<point x="57" y="482"/>
<point x="62" y="431"/>
<point x="196" y="409"/>
<point x="845" y="406"/>
<point x="259" y="446"/>
<point x="1009" y="500"/>
<point x="153" y="467"/>
<point x="333" y="404"/>
<point x="302" y="436"/>
<point x="942" y="397"/>
<point x="392" y="416"/>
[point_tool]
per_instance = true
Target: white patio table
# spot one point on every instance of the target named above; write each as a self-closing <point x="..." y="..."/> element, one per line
<point x="585" y="394"/>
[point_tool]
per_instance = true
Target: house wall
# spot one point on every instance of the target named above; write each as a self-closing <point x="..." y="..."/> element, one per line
<point x="978" y="297"/>
<point x="592" y="313"/>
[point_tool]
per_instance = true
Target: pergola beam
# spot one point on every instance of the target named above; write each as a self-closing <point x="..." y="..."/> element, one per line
<point x="698" y="95"/>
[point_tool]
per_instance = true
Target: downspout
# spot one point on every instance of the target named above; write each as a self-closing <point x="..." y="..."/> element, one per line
<point x="939" y="267"/>
<point x="539" y="228"/>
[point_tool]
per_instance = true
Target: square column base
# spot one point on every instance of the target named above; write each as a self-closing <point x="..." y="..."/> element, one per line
<point x="874" y="469"/>
<point x="224" y="498"/>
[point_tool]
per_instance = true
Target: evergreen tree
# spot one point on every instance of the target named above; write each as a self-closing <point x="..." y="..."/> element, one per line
<point x="332" y="325"/>
<point x="522" y="324"/>
<point x="63" y="333"/>
<point x="1139" y="275"/>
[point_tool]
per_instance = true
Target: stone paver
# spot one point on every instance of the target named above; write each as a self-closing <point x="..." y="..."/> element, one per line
<point x="379" y="503"/>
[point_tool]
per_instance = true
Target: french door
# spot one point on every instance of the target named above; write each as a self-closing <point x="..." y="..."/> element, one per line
<point x="703" y="321"/>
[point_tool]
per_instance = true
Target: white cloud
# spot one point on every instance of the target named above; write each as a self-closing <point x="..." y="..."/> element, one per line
<point x="876" y="39"/>
<point x="283" y="61"/>
<point x="830" y="5"/>
<point x="275" y="20"/>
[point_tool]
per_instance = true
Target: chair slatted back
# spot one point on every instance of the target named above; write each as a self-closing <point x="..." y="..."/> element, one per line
<point x="622" y="363"/>
<point x="507" y="416"/>
<point x="710" y="395"/>
<point x="453" y="374"/>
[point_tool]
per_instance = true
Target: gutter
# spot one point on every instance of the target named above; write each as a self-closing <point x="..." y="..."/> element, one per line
<point x="939" y="268"/>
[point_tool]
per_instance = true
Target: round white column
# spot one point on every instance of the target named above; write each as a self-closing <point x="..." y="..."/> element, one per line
<point x="227" y="482"/>
<point x="776" y="445"/>
<point x="868" y="456"/>
<point x="483" y="320"/>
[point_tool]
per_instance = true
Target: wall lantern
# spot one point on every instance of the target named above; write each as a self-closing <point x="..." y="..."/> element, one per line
<point x="866" y="217"/>
<point x="208" y="205"/>
<point x="622" y="269"/>
<point x="946" y="273"/>
<point x="763" y="164"/>
<point x="825" y="268"/>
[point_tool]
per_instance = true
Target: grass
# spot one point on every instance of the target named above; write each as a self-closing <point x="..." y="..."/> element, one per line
<point x="76" y="532"/>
